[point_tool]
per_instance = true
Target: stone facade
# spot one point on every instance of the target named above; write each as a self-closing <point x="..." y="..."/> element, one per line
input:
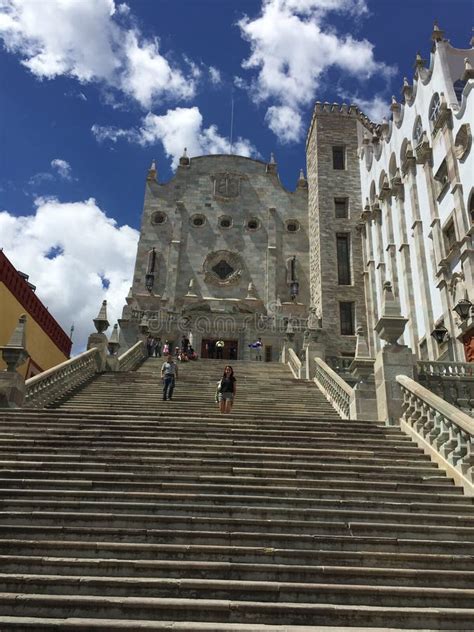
<point x="335" y="127"/>
<point x="220" y="246"/>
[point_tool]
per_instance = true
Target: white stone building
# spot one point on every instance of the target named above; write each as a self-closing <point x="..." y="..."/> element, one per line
<point x="418" y="205"/>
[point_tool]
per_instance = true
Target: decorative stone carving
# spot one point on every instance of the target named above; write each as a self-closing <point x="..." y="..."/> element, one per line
<point x="391" y="324"/>
<point x="463" y="142"/>
<point x="226" y="185"/>
<point x="223" y="267"/>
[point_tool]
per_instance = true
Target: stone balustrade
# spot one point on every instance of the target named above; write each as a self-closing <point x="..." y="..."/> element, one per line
<point x="44" y="388"/>
<point x="336" y="390"/>
<point x="133" y="357"/>
<point x="443" y="431"/>
<point x="452" y="381"/>
<point x="294" y="363"/>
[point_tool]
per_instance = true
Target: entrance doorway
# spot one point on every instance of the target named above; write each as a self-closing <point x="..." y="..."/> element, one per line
<point x="229" y="352"/>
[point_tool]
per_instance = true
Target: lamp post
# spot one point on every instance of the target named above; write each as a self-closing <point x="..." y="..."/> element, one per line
<point x="463" y="307"/>
<point x="440" y="334"/>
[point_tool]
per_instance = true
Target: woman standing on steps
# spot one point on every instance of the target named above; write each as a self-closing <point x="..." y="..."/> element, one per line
<point x="227" y="390"/>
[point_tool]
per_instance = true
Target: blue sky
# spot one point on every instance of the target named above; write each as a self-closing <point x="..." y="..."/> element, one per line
<point x="92" y="90"/>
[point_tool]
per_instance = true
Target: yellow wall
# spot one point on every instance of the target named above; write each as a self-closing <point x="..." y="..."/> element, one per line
<point x="39" y="345"/>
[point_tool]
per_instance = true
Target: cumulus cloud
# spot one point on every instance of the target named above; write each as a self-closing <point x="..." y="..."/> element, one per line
<point x="291" y="49"/>
<point x="215" y="75"/>
<point x="76" y="256"/>
<point x="175" y="130"/>
<point x="91" y="42"/>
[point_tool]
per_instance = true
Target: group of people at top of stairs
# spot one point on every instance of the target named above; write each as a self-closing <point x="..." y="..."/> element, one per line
<point x="184" y="353"/>
<point x="226" y="387"/>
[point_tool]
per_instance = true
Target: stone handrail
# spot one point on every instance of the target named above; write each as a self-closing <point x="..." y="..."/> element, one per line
<point x="446" y="368"/>
<point x="133" y="357"/>
<point x="337" y="392"/>
<point x="44" y="388"/>
<point x="294" y="363"/>
<point x="443" y="431"/>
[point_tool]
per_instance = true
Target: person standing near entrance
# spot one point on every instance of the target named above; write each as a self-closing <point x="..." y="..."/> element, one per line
<point x="227" y="390"/>
<point x="220" y="349"/>
<point x="257" y="347"/>
<point x="169" y="375"/>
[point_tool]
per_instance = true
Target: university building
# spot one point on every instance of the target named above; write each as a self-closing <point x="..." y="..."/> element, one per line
<point x="226" y="251"/>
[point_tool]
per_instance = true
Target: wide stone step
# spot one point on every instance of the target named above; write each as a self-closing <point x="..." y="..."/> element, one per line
<point x="293" y="504"/>
<point x="140" y="551"/>
<point x="231" y="510"/>
<point x="226" y="611"/>
<point x="443" y="501"/>
<point x="269" y="591"/>
<point x="230" y="570"/>
<point x="408" y="527"/>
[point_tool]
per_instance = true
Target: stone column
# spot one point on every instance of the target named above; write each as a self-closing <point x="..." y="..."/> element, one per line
<point x="14" y="354"/>
<point x="371" y="297"/>
<point x="174" y="252"/>
<point x="405" y="263"/>
<point x="392" y="360"/>
<point x="386" y="197"/>
<point x="420" y="254"/>
<point x="272" y="259"/>
<point x="379" y="254"/>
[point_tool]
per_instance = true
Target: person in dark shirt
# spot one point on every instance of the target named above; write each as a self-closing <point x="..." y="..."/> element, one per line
<point x="227" y="390"/>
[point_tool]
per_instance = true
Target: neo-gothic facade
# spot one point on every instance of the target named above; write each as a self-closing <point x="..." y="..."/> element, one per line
<point x="226" y="251"/>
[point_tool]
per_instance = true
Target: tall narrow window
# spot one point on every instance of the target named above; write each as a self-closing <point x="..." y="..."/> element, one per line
<point x="338" y="157"/>
<point x="341" y="206"/>
<point x="343" y="241"/>
<point x="346" y="314"/>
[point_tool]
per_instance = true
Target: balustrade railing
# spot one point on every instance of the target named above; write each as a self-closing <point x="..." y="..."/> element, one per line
<point x="133" y="357"/>
<point x="46" y="387"/>
<point x="335" y="389"/>
<point x="294" y="363"/>
<point x="445" y="432"/>
<point x="453" y="381"/>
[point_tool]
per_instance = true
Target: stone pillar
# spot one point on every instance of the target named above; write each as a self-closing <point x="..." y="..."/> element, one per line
<point x="363" y="403"/>
<point x="174" y="252"/>
<point x="386" y="197"/>
<point x="420" y="254"/>
<point x="14" y="354"/>
<point x="112" y="361"/>
<point x="405" y="264"/>
<point x="379" y="254"/>
<point x="392" y="360"/>
<point x="371" y="296"/>
<point x="99" y="340"/>
<point x="271" y="280"/>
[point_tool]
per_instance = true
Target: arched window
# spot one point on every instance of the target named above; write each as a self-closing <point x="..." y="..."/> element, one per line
<point x="434" y="109"/>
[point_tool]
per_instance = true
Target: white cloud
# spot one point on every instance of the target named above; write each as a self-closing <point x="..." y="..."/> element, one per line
<point x="291" y="48"/>
<point x="68" y="249"/>
<point x="215" y="75"/>
<point x="62" y="168"/>
<point x="376" y="108"/>
<point x="88" y="41"/>
<point x="177" y="129"/>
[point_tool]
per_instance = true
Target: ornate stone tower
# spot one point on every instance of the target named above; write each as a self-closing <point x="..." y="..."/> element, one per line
<point x="336" y="268"/>
<point x="223" y="253"/>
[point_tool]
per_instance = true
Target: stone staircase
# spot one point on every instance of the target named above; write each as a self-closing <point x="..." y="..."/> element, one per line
<point x="123" y="512"/>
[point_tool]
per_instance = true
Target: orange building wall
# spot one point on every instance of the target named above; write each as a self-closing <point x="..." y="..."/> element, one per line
<point x="43" y="352"/>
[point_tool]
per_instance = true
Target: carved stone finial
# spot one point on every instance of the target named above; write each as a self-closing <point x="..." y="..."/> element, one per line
<point x="302" y="182"/>
<point x="184" y="160"/>
<point x="437" y="35"/>
<point x="191" y="291"/>
<point x="468" y="70"/>
<point x="100" y="322"/>
<point x="272" y="165"/>
<point x="114" y="343"/>
<point x="272" y="159"/>
<point x="391" y="324"/>
<point x="419" y="62"/>
<point x="152" y="171"/>
<point x="14" y="352"/>
<point x="251" y="292"/>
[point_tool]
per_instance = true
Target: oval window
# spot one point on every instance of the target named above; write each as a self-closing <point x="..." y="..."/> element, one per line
<point x="253" y="224"/>
<point x="292" y="225"/>
<point x="158" y="218"/>
<point x="198" y="220"/>
<point x="225" y="222"/>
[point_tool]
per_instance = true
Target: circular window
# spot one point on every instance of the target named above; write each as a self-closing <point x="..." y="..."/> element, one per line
<point x="292" y="225"/>
<point x="225" y="222"/>
<point x="198" y="220"/>
<point x="253" y="224"/>
<point x="158" y="218"/>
